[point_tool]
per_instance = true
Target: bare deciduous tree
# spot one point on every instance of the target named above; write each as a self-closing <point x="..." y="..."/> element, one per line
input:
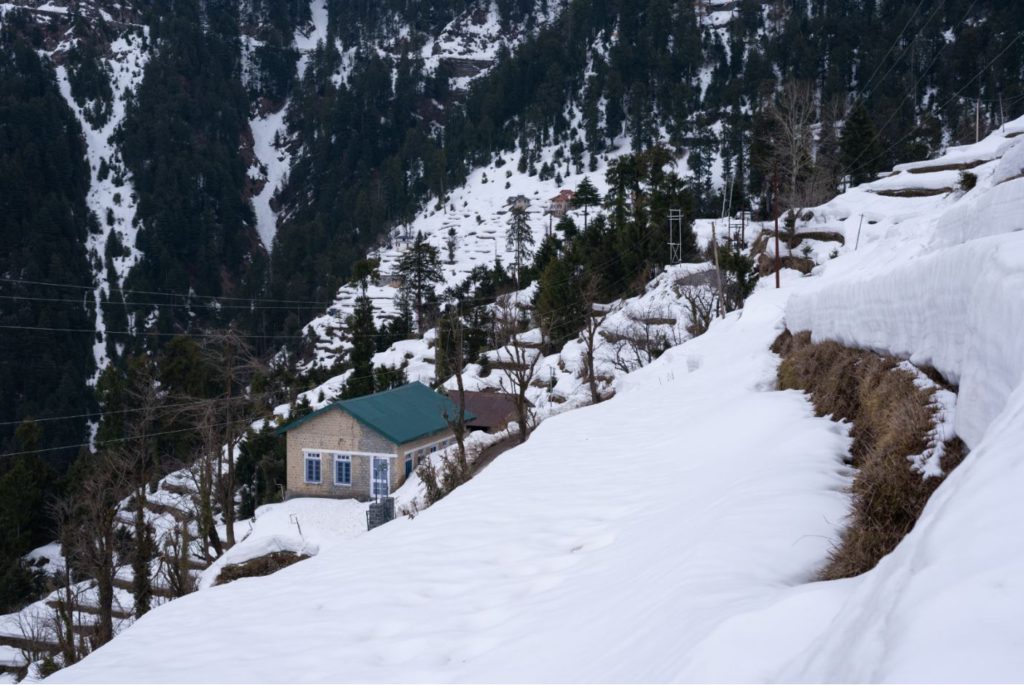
<point x="203" y="473"/>
<point x="595" y="318"/>
<point x="640" y="339"/>
<point x="89" y="528"/>
<point x="236" y="363"/>
<point x="518" y="362"/>
<point x="39" y="629"/>
<point x="792" y="113"/>
<point x="176" y="569"/>
<point x="455" y="354"/>
<point x="702" y="302"/>
<point x="807" y="169"/>
<point x="142" y="465"/>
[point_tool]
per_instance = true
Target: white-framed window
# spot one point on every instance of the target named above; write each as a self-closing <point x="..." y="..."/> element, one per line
<point x="313" y="467"/>
<point x="342" y="469"/>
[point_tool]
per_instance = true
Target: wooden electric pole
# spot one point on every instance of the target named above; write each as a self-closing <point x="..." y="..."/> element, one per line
<point x="977" y="120"/>
<point x="718" y="272"/>
<point x="775" y="211"/>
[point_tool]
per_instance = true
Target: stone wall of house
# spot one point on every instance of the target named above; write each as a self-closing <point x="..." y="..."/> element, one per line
<point x="333" y="431"/>
<point x="337" y="431"/>
<point x="412" y="447"/>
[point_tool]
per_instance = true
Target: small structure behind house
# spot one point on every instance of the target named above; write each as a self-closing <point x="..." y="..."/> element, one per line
<point x="492" y="410"/>
<point x="518" y="202"/>
<point x="365" y="448"/>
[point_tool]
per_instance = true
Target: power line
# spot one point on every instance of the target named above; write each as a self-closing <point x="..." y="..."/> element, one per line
<point x="484" y="299"/>
<point x="195" y="305"/>
<point x="895" y="41"/>
<point x="116" y="440"/>
<point x="945" y="104"/>
<point x="93" y="331"/>
<point x="896" y="61"/>
<point x="186" y="296"/>
<point x="100" y="414"/>
<point x="913" y="90"/>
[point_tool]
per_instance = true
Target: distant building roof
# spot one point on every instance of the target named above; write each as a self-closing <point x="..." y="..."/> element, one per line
<point x="401" y="415"/>
<point x="565" y="196"/>
<point x="491" y="409"/>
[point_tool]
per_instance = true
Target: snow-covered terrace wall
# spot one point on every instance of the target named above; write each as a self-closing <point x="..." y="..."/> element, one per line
<point x="959" y="309"/>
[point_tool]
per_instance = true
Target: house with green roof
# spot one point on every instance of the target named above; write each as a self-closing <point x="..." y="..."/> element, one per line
<point x="366" y="447"/>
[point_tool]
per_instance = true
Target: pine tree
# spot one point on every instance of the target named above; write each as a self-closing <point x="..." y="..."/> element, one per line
<point x="567" y="227"/>
<point x="586" y="197"/>
<point x="546" y="253"/>
<point x="420" y="270"/>
<point x="519" y="239"/>
<point x="452" y="243"/>
<point x="559" y="302"/>
<point x="364" y="271"/>
<point x="399" y="325"/>
<point x="363" y="330"/>
<point x="860" y="150"/>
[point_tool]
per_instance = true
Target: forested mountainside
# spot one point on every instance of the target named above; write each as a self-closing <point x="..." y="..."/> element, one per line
<point x="178" y="166"/>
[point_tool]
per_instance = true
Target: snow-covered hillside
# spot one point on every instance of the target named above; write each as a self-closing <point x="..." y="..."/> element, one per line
<point x="468" y="46"/>
<point x="478" y="214"/>
<point x="671" y="532"/>
<point x="638" y="523"/>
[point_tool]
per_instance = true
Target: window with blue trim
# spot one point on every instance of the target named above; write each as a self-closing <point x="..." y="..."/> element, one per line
<point x="408" y="465"/>
<point x="312" y="467"/>
<point x="342" y="469"/>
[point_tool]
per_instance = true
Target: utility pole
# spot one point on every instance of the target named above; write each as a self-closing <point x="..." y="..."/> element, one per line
<point x="718" y="272"/>
<point x="977" y="120"/>
<point x="775" y="211"/>
<point x="1002" y="115"/>
<point x="675" y="235"/>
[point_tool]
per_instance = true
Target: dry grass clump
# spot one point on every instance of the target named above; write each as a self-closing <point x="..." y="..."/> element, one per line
<point x="260" y="566"/>
<point x="892" y="419"/>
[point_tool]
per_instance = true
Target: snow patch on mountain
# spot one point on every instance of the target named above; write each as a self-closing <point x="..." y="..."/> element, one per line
<point x="111" y="196"/>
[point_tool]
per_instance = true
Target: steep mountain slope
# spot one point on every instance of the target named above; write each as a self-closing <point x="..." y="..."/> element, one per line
<point x="236" y="158"/>
<point x="553" y="553"/>
<point x="46" y="225"/>
<point x="323" y="125"/>
<point x="647" y="538"/>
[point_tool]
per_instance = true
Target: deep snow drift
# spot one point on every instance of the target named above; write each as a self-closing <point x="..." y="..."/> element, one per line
<point x="671" y="533"/>
<point x="617" y="535"/>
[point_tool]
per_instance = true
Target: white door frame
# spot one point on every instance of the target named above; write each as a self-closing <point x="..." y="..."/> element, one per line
<point x="373" y="476"/>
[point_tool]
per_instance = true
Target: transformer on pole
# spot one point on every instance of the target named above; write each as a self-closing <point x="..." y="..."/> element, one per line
<point x="675" y="236"/>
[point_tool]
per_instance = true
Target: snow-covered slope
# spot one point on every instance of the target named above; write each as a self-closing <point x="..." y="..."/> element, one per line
<point x="477" y="213"/>
<point x="618" y="534"/>
<point x="468" y="45"/>
<point x="671" y="533"/>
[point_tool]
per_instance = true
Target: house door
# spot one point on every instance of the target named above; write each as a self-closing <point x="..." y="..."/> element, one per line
<point x="381" y="477"/>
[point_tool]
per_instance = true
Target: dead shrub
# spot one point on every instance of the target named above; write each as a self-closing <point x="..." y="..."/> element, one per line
<point x="452" y="472"/>
<point x="260" y="566"/>
<point x="892" y="420"/>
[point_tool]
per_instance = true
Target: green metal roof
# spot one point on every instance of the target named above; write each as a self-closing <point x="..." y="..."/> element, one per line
<point x="401" y="415"/>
